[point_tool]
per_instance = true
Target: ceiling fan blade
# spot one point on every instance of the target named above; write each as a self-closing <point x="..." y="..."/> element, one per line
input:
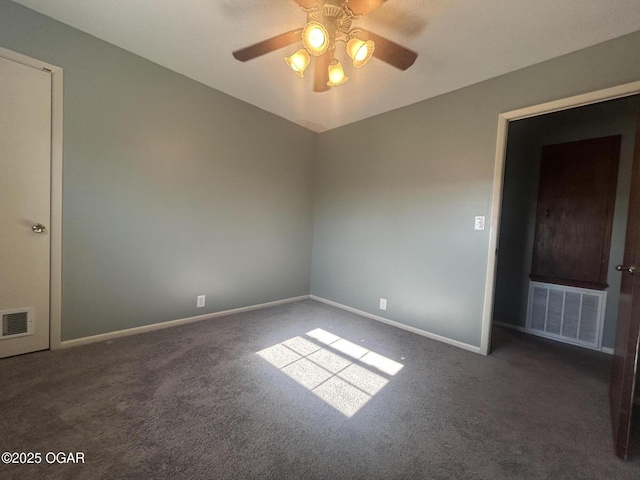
<point x="307" y="3"/>
<point x="390" y="52"/>
<point x="322" y="72"/>
<point x="362" y="7"/>
<point x="269" y="45"/>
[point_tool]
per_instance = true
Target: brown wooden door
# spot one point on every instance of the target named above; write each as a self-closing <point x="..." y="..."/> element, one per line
<point x="576" y="197"/>
<point x="623" y="375"/>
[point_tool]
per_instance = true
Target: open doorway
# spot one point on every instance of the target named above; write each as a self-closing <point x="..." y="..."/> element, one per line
<point x="519" y="220"/>
<point x="504" y="119"/>
<point x="527" y="139"/>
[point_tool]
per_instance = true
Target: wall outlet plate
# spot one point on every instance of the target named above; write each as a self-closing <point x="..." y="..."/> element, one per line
<point x="479" y="223"/>
<point x="200" y="301"/>
<point x="383" y="304"/>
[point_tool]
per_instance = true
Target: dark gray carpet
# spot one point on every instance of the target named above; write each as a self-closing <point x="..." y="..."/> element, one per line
<point x="197" y="402"/>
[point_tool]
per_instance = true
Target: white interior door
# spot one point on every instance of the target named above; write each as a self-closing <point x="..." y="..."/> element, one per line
<point x="25" y="195"/>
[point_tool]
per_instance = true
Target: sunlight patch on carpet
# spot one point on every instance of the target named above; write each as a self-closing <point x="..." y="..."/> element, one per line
<point x="341" y="373"/>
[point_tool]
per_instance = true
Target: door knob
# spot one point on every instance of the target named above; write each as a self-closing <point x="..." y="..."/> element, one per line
<point x="38" y="228"/>
<point x="623" y="268"/>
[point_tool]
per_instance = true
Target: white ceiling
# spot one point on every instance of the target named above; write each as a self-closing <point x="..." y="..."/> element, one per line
<point x="459" y="42"/>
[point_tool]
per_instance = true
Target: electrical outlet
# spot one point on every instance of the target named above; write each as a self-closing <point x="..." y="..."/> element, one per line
<point x="200" y="301"/>
<point x="479" y="225"/>
<point x="383" y="304"/>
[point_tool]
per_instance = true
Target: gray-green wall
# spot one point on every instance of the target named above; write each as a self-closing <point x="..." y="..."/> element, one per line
<point x="396" y="194"/>
<point x="171" y="189"/>
<point x="526" y="138"/>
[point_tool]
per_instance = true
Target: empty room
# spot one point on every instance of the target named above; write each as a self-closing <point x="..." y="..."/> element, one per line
<point x="319" y="239"/>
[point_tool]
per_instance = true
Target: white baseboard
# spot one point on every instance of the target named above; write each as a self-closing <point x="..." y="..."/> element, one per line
<point x="424" y="333"/>
<point x="509" y="326"/>
<point x="173" y="323"/>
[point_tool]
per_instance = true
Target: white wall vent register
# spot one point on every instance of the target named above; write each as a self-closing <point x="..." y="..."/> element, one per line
<point x="16" y="323"/>
<point x="569" y="314"/>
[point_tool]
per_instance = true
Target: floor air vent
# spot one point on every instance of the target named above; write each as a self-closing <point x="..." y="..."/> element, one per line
<point x="569" y="314"/>
<point x="16" y="323"/>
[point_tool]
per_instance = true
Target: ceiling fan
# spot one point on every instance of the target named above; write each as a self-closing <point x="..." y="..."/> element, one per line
<point x="329" y="22"/>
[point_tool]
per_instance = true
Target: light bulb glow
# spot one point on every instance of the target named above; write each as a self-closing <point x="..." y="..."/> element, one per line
<point x="361" y="54"/>
<point x="315" y="38"/>
<point x="336" y="75"/>
<point x="298" y="62"/>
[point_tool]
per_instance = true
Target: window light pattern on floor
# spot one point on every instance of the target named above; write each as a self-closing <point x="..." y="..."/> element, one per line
<point x="343" y="381"/>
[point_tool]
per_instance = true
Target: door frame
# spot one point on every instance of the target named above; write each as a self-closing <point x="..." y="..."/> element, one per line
<point x="55" y="229"/>
<point x="590" y="98"/>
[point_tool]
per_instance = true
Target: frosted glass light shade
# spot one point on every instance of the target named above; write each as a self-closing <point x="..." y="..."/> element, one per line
<point x="359" y="51"/>
<point x="336" y="74"/>
<point x="315" y="38"/>
<point x="298" y="62"/>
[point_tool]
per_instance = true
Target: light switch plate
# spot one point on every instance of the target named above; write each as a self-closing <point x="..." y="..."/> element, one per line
<point x="479" y="224"/>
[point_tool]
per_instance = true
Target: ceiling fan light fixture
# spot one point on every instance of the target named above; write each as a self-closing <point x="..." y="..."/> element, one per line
<point x="315" y="38"/>
<point x="329" y="22"/>
<point x="360" y="51"/>
<point x="298" y="62"/>
<point x="336" y="74"/>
